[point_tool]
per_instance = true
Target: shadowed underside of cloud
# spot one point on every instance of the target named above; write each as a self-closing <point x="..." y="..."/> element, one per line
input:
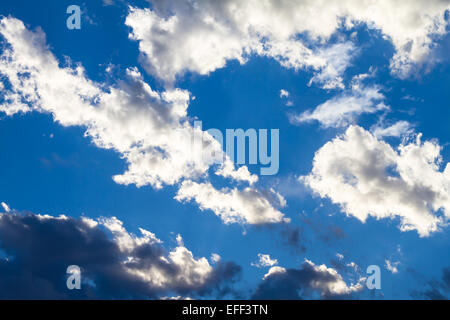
<point x="437" y="289"/>
<point x="114" y="263"/>
<point x="310" y="281"/>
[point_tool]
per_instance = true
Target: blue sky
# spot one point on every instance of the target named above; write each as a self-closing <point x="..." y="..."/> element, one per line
<point x="50" y="167"/>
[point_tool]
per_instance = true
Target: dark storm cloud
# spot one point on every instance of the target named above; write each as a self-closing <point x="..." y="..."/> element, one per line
<point x="37" y="251"/>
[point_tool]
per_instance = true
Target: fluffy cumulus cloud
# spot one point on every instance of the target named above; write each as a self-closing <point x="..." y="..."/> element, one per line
<point x="233" y="205"/>
<point x="308" y="281"/>
<point x="368" y="177"/>
<point x="165" y="149"/>
<point x="201" y="36"/>
<point x="114" y="263"/>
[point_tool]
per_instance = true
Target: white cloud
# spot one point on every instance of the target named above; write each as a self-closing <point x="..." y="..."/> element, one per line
<point x="338" y="58"/>
<point x="274" y="270"/>
<point x="157" y="153"/>
<point x="231" y="205"/>
<point x="195" y="271"/>
<point x="333" y="284"/>
<point x="202" y="45"/>
<point x="284" y="93"/>
<point x="393" y="261"/>
<point x="264" y="260"/>
<point x="344" y="108"/>
<point x="201" y="36"/>
<point x="89" y="222"/>
<point x="398" y="129"/>
<point x="228" y="170"/>
<point x="176" y="298"/>
<point x="192" y="272"/>
<point x="161" y="152"/>
<point x="125" y="240"/>
<point x="367" y="177"/>
<point x="5" y="207"/>
<point x="281" y="200"/>
<point x="392" y="265"/>
<point x="215" y="257"/>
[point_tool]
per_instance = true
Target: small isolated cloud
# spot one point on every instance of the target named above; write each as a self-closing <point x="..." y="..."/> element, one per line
<point x="264" y="260"/>
<point x="393" y="261"/>
<point x="284" y="93"/>
<point x="215" y="257"/>
<point x="398" y="129"/>
<point x="392" y="265"/>
<point x="343" y="109"/>
<point x="5" y="207"/>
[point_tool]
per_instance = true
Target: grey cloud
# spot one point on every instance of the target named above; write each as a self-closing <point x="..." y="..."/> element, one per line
<point x="37" y="250"/>
<point x="307" y="282"/>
